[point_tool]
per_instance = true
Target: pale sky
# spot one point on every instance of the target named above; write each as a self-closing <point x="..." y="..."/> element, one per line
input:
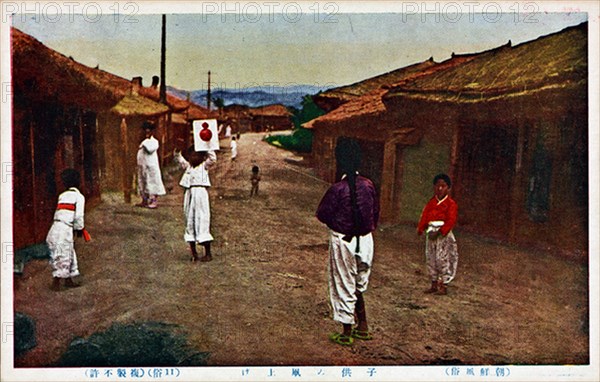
<point x="266" y="45"/>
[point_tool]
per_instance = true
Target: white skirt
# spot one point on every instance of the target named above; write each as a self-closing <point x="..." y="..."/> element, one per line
<point x="196" y="210"/>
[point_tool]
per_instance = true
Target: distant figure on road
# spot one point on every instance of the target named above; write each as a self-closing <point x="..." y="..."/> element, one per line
<point x="68" y="217"/>
<point x="150" y="184"/>
<point x="228" y="131"/>
<point x="350" y="208"/>
<point x="254" y="180"/>
<point x="196" y="206"/>
<point x="233" y="146"/>
<point x="437" y="220"/>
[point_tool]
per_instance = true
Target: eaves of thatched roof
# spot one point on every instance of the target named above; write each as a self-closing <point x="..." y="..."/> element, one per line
<point x="136" y="105"/>
<point x="43" y="72"/>
<point x="195" y="112"/>
<point x="556" y="61"/>
<point x="175" y="103"/>
<point x="270" y="111"/>
<point x="371" y="105"/>
<point x="335" y="97"/>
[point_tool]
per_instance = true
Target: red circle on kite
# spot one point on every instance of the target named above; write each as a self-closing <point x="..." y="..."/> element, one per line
<point x="205" y="133"/>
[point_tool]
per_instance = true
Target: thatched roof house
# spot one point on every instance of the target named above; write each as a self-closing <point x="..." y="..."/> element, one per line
<point x="180" y="134"/>
<point x="514" y="125"/>
<point x="238" y="117"/>
<point x="507" y="124"/>
<point x="366" y="119"/>
<point x="61" y="114"/>
<point x="270" y="118"/>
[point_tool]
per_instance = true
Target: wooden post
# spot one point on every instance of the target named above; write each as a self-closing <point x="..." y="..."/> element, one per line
<point x="516" y="190"/>
<point x="125" y="171"/>
<point x="34" y="199"/>
<point x="82" y="153"/>
<point x="388" y="181"/>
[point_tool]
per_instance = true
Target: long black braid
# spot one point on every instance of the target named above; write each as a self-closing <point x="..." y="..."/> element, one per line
<point x="348" y="156"/>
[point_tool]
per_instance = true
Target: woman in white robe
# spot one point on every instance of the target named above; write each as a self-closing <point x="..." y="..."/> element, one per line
<point x="150" y="184"/>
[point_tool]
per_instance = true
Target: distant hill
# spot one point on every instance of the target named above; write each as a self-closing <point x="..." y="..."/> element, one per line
<point x="254" y="96"/>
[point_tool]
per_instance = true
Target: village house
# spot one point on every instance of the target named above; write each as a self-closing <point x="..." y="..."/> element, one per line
<point x="511" y="128"/>
<point x="66" y="114"/>
<point x="360" y="113"/>
<point x="238" y="117"/>
<point x="271" y="118"/>
<point x="525" y="105"/>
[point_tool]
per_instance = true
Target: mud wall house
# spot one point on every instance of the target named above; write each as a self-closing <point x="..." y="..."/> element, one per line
<point x="169" y="125"/>
<point x="61" y="115"/>
<point x="54" y="127"/>
<point x="361" y="114"/>
<point x="122" y="133"/>
<point x="239" y="117"/>
<point x="271" y="118"/>
<point x="511" y="128"/>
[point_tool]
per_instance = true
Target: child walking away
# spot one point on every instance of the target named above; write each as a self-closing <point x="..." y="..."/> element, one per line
<point x="437" y="220"/>
<point x="68" y="218"/>
<point x="196" y="207"/>
<point x="254" y="180"/>
<point x="233" y="146"/>
<point x="350" y="208"/>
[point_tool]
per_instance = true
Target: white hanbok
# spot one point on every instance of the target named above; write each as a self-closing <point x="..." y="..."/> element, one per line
<point x="196" y="204"/>
<point x="349" y="272"/>
<point x="233" y="146"/>
<point x="149" y="175"/>
<point x="67" y="218"/>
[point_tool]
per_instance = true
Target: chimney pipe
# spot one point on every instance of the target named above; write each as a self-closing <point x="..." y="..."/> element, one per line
<point x="155" y="82"/>
<point x="136" y="84"/>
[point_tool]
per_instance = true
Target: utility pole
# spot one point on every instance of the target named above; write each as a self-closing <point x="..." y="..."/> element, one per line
<point x="208" y="92"/>
<point x="163" y="51"/>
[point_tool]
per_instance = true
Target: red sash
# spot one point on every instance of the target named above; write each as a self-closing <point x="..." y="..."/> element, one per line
<point x="66" y="206"/>
<point x="71" y="207"/>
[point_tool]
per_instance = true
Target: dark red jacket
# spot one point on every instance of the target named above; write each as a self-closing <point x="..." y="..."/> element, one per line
<point x="335" y="209"/>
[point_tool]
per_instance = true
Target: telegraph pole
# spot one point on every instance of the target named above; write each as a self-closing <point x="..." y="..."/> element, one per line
<point x="163" y="51"/>
<point x="208" y="92"/>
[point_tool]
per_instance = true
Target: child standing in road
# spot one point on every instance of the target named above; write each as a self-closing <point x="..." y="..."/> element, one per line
<point x="437" y="220"/>
<point x="350" y="209"/>
<point x="254" y="180"/>
<point x="233" y="146"/>
<point x="196" y="206"/>
<point x="68" y="218"/>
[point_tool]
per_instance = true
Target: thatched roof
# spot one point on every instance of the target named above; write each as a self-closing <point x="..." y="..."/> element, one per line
<point x="195" y="112"/>
<point x="270" y="111"/>
<point x="370" y="105"/>
<point x="41" y="72"/>
<point x="175" y="103"/>
<point x="558" y="60"/>
<point x="333" y="98"/>
<point x="131" y="105"/>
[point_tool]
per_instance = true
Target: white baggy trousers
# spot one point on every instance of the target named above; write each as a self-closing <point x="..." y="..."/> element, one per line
<point x="348" y="273"/>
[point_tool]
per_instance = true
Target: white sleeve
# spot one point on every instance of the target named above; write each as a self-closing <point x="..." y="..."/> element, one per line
<point x="212" y="158"/>
<point x="181" y="161"/>
<point x="78" y="222"/>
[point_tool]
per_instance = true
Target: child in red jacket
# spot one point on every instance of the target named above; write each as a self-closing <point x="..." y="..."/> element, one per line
<point x="437" y="220"/>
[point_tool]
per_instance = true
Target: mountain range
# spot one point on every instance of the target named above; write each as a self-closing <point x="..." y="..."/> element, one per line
<point x="290" y="96"/>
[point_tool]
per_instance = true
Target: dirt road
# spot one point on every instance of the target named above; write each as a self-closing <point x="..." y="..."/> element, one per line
<point x="263" y="299"/>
